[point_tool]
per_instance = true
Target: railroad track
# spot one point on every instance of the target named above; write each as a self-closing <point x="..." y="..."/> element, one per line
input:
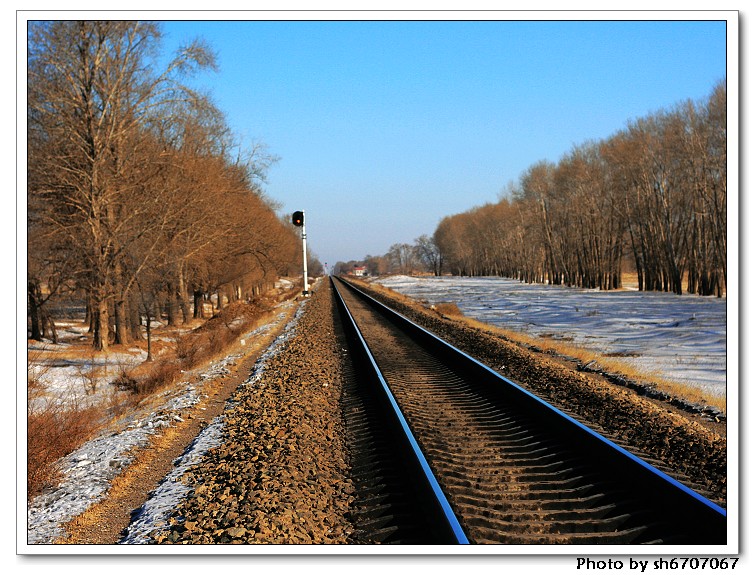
<point x="474" y="458"/>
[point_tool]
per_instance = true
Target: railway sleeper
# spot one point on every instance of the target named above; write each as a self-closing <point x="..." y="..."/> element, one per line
<point x="513" y="485"/>
<point x="507" y="513"/>
<point x="542" y="495"/>
<point x="368" y="534"/>
<point x="386" y="521"/>
<point x="467" y="451"/>
<point x="624" y="537"/>
<point x="465" y="461"/>
<point x="496" y="438"/>
<point x="369" y="452"/>
<point x="574" y="524"/>
<point x="495" y="467"/>
<point x="377" y="512"/>
<point x="500" y="477"/>
<point x="372" y="499"/>
<point x="536" y="455"/>
<point x="531" y="504"/>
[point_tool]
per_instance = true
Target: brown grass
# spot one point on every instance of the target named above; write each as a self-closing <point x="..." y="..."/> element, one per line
<point x="196" y="347"/>
<point x="447" y="308"/>
<point x="610" y="364"/>
<point x="53" y="430"/>
<point x="53" y="433"/>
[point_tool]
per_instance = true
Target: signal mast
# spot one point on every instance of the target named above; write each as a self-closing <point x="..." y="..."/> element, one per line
<point x="298" y="220"/>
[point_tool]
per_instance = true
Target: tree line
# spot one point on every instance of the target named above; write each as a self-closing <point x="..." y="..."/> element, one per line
<point x="139" y="196"/>
<point x="651" y="198"/>
<point x="402" y="258"/>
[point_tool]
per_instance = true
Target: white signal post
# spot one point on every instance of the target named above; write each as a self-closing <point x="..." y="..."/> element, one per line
<point x="297" y="218"/>
<point x="304" y="252"/>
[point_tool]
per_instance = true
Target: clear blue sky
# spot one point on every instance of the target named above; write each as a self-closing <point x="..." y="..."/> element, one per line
<point x="385" y="127"/>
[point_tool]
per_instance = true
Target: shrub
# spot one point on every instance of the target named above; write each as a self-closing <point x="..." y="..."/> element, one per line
<point x="162" y="374"/>
<point x="447" y="308"/>
<point x="54" y="431"/>
<point x="125" y="381"/>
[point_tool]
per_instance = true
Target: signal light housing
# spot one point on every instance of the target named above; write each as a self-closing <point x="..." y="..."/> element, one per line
<point x="298" y="219"/>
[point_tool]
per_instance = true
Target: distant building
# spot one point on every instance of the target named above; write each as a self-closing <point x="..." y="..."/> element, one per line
<point x="360" y="271"/>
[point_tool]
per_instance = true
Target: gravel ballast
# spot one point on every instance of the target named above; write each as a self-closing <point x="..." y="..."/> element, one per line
<point x="281" y="474"/>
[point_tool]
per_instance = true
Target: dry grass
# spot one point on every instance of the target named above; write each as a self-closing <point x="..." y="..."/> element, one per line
<point x="449" y="309"/>
<point x="629" y="281"/>
<point x="189" y="349"/>
<point x="54" y="429"/>
<point x="610" y="364"/>
<point x="54" y="432"/>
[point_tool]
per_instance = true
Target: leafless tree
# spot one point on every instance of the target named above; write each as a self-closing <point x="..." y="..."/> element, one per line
<point x="429" y="254"/>
<point x="138" y="189"/>
<point x="655" y="190"/>
<point x="91" y="95"/>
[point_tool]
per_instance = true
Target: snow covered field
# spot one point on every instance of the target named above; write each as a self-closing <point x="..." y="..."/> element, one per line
<point x="680" y="338"/>
<point x="77" y="380"/>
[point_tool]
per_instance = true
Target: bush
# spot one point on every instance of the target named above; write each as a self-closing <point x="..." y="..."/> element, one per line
<point x="447" y="308"/>
<point x="126" y="382"/>
<point x="162" y="374"/>
<point x="53" y="432"/>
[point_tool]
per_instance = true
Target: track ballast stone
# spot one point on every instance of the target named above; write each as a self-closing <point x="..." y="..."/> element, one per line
<point x="281" y="474"/>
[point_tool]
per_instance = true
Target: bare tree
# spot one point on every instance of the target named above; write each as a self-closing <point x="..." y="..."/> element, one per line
<point x="90" y="99"/>
<point x="429" y="254"/>
<point x="403" y="258"/>
<point x="655" y="190"/>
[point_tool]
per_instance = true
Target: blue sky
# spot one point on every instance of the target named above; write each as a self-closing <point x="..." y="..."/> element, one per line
<point x="385" y="127"/>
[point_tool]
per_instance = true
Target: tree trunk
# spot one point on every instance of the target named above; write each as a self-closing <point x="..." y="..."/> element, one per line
<point x="149" y="337"/>
<point x="48" y="321"/>
<point x="134" y="319"/>
<point x="100" y="340"/>
<point x="122" y="335"/>
<point x="171" y="306"/>
<point x="198" y="304"/>
<point x="181" y="295"/>
<point x="35" y="310"/>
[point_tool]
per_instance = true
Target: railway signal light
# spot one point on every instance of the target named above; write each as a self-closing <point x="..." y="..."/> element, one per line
<point x="297" y="218"/>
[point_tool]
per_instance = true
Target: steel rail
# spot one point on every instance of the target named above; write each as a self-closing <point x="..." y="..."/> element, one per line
<point x="445" y="523"/>
<point x="701" y="520"/>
